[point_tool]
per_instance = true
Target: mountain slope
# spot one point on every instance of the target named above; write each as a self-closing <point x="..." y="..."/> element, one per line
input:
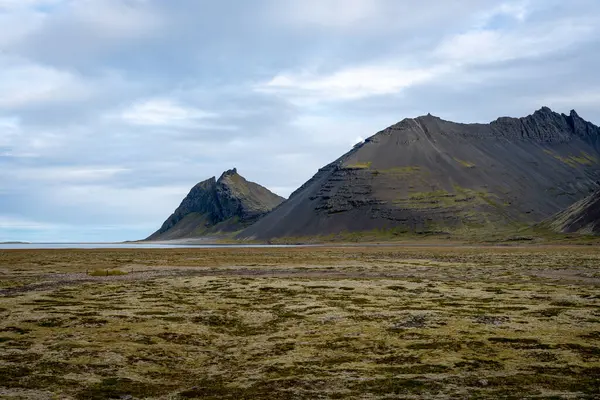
<point x="430" y="175"/>
<point x="582" y="217"/>
<point x="218" y="206"/>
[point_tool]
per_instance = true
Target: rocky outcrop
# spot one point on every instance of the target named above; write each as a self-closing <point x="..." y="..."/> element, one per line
<point x="218" y="206"/>
<point x="583" y="217"/>
<point x="543" y="126"/>
<point x="426" y="174"/>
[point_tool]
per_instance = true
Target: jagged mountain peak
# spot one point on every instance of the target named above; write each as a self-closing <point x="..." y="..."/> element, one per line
<point x="228" y="173"/>
<point x="543" y="126"/>
<point x="544" y="110"/>
<point x="213" y="206"/>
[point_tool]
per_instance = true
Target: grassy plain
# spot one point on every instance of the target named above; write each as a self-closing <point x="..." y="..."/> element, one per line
<point x="301" y="323"/>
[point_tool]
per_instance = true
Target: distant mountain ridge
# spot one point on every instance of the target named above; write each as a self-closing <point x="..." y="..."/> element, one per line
<point x="426" y="174"/>
<point x="214" y="207"/>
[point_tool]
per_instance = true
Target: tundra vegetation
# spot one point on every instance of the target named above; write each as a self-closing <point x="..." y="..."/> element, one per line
<point x="301" y="323"/>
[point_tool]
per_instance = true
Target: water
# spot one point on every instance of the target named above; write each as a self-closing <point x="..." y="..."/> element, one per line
<point x="35" y="246"/>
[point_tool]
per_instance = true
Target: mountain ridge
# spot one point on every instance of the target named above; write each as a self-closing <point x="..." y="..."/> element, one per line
<point x="560" y="126"/>
<point x="426" y="174"/>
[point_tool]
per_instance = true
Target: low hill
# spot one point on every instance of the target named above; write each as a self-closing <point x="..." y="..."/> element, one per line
<point x="215" y="207"/>
<point x="428" y="175"/>
<point x="582" y="217"/>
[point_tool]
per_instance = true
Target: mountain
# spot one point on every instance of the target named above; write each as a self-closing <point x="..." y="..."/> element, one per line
<point x="218" y="206"/>
<point x="582" y="217"/>
<point x="428" y="175"/>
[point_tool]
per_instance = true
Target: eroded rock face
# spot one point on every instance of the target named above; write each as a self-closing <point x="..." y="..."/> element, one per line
<point x="430" y="175"/>
<point x="212" y="206"/>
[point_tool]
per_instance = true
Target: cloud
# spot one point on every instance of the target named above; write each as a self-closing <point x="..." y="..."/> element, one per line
<point x="117" y="18"/>
<point x="10" y="5"/>
<point x="516" y="10"/>
<point x="488" y="46"/>
<point x="114" y="203"/>
<point x="372" y="17"/>
<point x="17" y="228"/>
<point x="453" y="58"/>
<point x="348" y="84"/>
<point x="60" y="175"/>
<point x="9" y="130"/>
<point x="17" y="24"/>
<point x="164" y="112"/>
<point x="587" y="98"/>
<point x="12" y="222"/>
<point x="345" y="14"/>
<point x="23" y="83"/>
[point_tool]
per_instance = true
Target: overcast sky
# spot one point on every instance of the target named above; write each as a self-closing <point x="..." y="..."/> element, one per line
<point x="111" y="110"/>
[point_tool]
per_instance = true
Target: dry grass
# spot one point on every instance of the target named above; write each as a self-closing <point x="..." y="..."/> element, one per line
<point x="331" y="322"/>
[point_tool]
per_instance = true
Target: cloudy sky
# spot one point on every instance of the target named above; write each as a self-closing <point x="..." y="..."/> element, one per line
<point x="110" y="110"/>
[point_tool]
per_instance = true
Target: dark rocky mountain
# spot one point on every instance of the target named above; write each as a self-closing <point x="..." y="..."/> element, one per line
<point x="426" y="174"/>
<point x="218" y="206"/>
<point x="582" y="217"/>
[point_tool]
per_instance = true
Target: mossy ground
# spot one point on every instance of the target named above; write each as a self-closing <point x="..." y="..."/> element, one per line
<point x="106" y="272"/>
<point x="575" y="160"/>
<point x="360" y="165"/>
<point x="303" y="323"/>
